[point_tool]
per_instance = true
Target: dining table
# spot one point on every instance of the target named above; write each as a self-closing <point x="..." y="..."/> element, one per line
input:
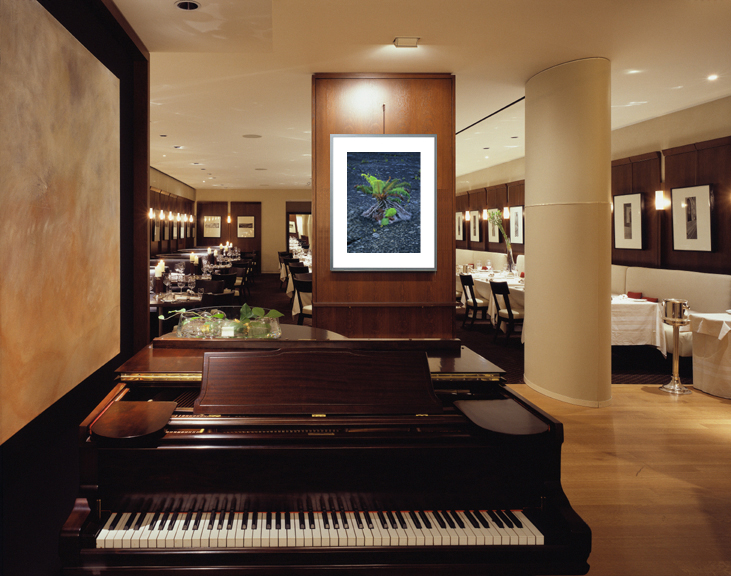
<point x="167" y="302"/>
<point x="712" y="352"/>
<point x="516" y="285"/>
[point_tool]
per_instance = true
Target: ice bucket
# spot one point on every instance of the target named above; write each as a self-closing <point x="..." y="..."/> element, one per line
<point x="675" y="312"/>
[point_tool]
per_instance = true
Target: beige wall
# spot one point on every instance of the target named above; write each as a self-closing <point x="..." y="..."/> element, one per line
<point x="705" y="122"/>
<point x="170" y="185"/>
<point x="273" y="216"/>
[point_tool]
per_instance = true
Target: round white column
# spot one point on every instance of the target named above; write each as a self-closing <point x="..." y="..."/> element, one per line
<point x="567" y="232"/>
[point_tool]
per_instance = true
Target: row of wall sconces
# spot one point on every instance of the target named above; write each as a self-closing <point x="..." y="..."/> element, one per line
<point x="506" y="214"/>
<point x="179" y="218"/>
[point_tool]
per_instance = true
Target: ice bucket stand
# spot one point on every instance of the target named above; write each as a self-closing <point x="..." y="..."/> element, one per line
<point x="675" y="315"/>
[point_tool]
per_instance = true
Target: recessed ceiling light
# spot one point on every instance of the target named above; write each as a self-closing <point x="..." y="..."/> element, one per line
<point x="177" y="147"/>
<point x="163" y="135"/>
<point x="260" y="168"/>
<point x="713" y="77"/>
<point x="187" y="5"/>
<point x="632" y="72"/>
<point x="196" y="164"/>
<point x="406" y="41"/>
<point x="252" y="135"/>
<point x="486" y="148"/>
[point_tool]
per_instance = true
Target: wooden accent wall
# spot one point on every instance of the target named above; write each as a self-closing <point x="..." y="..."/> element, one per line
<point x="497" y="196"/>
<point x="384" y="304"/>
<point x="168" y="241"/>
<point x="701" y="163"/>
<point x="204" y="209"/>
<point x="247" y="244"/>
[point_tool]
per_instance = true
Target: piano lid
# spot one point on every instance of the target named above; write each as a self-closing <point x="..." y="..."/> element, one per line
<point x="316" y="382"/>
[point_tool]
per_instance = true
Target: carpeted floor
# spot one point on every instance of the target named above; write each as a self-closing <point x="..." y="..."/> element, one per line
<point x="630" y="364"/>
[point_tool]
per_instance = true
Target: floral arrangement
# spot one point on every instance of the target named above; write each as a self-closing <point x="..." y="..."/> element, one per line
<point x="495" y="217"/>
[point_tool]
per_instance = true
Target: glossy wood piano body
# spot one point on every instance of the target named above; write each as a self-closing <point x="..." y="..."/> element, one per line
<point x="390" y="439"/>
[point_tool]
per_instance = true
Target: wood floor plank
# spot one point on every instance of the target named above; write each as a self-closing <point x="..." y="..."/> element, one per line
<point x="651" y="475"/>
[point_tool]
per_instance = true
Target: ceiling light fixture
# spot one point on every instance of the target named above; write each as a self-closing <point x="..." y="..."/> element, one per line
<point x="252" y="135"/>
<point x="406" y="41"/>
<point x="187" y="5"/>
<point x="713" y="77"/>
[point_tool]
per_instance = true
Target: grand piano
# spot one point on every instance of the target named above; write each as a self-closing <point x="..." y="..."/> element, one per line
<point x="319" y="456"/>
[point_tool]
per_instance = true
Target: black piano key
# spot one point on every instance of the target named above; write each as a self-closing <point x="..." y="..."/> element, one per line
<point x="311" y="518"/>
<point x="141" y="516"/>
<point x="447" y="518"/>
<point x="230" y="523"/>
<point x="336" y="524"/>
<point x="245" y="516"/>
<point x="369" y="521"/>
<point x="481" y="518"/>
<point x="425" y="519"/>
<point x="495" y="519"/>
<point x="116" y="520"/>
<point x="325" y="521"/>
<point x="391" y="519"/>
<point x="456" y="518"/>
<point x="358" y="519"/>
<point x="198" y="517"/>
<point x="268" y="524"/>
<point x="415" y="519"/>
<point x="401" y="520"/>
<point x="254" y="519"/>
<point x="344" y="518"/>
<point x="509" y="519"/>
<point x="301" y="519"/>
<point x="188" y="518"/>
<point x="173" y="520"/>
<point x="277" y="520"/>
<point x="440" y="519"/>
<point x="221" y="513"/>
<point x="472" y="519"/>
<point x="382" y="518"/>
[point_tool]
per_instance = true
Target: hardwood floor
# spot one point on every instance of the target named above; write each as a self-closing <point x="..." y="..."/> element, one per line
<point x="651" y="475"/>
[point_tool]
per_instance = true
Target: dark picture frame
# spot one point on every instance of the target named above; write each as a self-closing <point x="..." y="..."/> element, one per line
<point x="517" y="225"/>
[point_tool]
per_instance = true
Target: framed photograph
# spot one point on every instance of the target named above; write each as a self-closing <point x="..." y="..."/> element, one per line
<point x="516" y="225"/>
<point x="175" y="230"/>
<point x="459" y="223"/>
<point x="493" y="232"/>
<point x="628" y="221"/>
<point x="383" y="198"/>
<point x="692" y="218"/>
<point x="211" y="226"/>
<point x="245" y="227"/>
<point x="474" y="226"/>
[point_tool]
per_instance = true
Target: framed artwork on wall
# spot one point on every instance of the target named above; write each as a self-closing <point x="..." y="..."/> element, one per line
<point x="211" y="226"/>
<point x="692" y="218"/>
<point x="628" y="221"/>
<point x="459" y="223"/>
<point x="474" y="226"/>
<point x="493" y="232"/>
<point x="383" y="202"/>
<point x="245" y="227"/>
<point x="516" y="225"/>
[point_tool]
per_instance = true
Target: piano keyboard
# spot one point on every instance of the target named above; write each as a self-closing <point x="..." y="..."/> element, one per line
<point x="322" y="529"/>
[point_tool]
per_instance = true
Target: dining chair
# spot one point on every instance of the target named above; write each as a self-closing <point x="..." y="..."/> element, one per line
<point x="218" y="299"/>
<point x="287" y="262"/>
<point x="506" y="312"/>
<point x="229" y="280"/>
<point x="472" y="302"/>
<point x="210" y="286"/>
<point x="303" y="286"/>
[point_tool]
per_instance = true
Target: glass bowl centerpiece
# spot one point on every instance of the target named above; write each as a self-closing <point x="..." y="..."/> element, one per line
<point x="229" y="322"/>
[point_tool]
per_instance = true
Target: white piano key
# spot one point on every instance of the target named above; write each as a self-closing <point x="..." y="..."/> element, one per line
<point x="139" y="536"/>
<point x="474" y="536"/>
<point x="381" y="536"/>
<point x="348" y="525"/>
<point x="297" y="531"/>
<point x="324" y="532"/>
<point x="105" y="532"/>
<point x="215" y="531"/>
<point x="419" y="539"/>
<point x="204" y="532"/>
<point x="359" y="536"/>
<point x="410" y="534"/>
<point x="248" y="532"/>
<point x="531" y="527"/>
<point x="235" y="538"/>
<point x="311" y="533"/>
<point x="469" y="538"/>
<point x="341" y="535"/>
<point x="172" y="535"/>
<point x="434" y="533"/>
<point x="118" y="535"/>
<point x="316" y="535"/>
<point x="448" y="537"/>
<point x="257" y="531"/>
<point x="398" y="534"/>
<point x="485" y="536"/>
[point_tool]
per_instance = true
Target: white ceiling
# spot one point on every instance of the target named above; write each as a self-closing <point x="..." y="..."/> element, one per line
<point x="243" y="67"/>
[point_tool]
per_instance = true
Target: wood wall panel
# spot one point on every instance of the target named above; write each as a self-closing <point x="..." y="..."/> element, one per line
<point x="386" y="304"/>
<point x="693" y="165"/>
<point x="478" y="201"/>
<point x="463" y="205"/>
<point x="640" y="175"/>
<point x="516" y="197"/>
<point x="211" y="209"/>
<point x="247" y="244"/>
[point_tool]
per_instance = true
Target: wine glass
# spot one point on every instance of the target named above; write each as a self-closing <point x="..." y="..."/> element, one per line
<point x="166" y="281"/>
<point x="181" y="282"/>
<point x="191" y="282"/>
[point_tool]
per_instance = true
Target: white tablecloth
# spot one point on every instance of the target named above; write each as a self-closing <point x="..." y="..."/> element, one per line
<point x="711" y="353"/>
<point x="637" y="322"/>
<point x="482" y="290"/>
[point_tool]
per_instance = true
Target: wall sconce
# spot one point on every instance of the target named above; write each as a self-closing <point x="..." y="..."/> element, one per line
<point x="178" y="217"/>
<point x="170" y="216"/>
<point x="152" y="213"/>
<point x="191" y="218"/>
<point x="162" y="214"/>
<point x="228" y="219"/>
<point x="484" y="213"/>
<point x="467" y="216"/>
<point x="660" y="200"/>
<point x="506" y="212"/>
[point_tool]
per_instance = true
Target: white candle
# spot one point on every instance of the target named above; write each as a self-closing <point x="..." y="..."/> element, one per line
<point x="196" y="261"/>
<point x="209" y="250"/>
<point x="192" y="257"/>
